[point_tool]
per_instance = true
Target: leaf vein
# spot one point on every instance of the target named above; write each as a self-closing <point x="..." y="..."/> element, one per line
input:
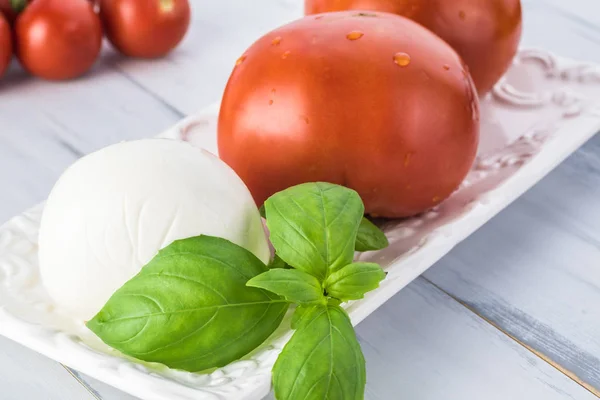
<point x="190" y="310"/>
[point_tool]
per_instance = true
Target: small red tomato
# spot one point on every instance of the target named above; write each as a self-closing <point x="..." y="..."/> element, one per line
<point x="485" y="33"/>
<point x="145" y="28"/>
<point x="58" y="39"/>
<point x="371" y="101"/>
<point x="5" y="45"/>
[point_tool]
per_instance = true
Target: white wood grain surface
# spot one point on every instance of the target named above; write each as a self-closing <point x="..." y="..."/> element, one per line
<point x="25" y="374"/>
<point x="512" y="313"/>
<point x="542" y="284"/>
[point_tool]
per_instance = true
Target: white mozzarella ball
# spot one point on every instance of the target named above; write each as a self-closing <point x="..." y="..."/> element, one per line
<point x="111" y="211"/>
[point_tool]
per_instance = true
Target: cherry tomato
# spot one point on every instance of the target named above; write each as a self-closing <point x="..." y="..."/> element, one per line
<point x="5" y="45"/>
<point x="145" y="28"/>
<point x="371" y="100"/>
<point x="486" y="33"/>
<point x="58" y="39"/>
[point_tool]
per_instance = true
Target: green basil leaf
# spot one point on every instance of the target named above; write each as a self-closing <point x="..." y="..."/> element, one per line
<point x="354" y="280"/>
<point x="314" y="225"/>
<point x="190" y="308"/>
<point x="277" y="262"/>
<point x="370" y="237"/>
<point x="292" y="284"/>
<point x="299" y="314"/>
<point x="322" y="360"/>
<point x="262" y="211"/>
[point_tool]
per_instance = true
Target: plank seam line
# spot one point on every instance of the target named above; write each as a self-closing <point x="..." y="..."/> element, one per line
<point x="85" y="385"/>
<point x="174" y="110"/>
<point x="573" y="377"/>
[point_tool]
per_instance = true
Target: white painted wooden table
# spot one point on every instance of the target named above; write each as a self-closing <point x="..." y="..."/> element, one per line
<point x="512" y="313"/>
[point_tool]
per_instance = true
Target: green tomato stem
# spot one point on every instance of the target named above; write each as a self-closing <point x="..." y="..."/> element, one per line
<point x="18" y="5"/>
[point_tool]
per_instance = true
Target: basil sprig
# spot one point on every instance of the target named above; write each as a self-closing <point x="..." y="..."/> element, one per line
<point x="315" y="229"/>
<point x="204" y="302"/>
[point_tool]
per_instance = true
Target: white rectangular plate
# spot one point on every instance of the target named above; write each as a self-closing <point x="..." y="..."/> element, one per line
<point x="541" y="112"/>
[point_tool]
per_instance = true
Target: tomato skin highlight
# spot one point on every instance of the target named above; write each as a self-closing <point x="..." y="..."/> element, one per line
<point x="145" y="28"/>
<point x="58" y="39"/>
<point x="391" y="113"/>
<point x="485" y="33"/>
<point x="6" y="50"/>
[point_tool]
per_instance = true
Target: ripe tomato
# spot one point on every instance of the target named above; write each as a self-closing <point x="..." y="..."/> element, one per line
<point x="58" y="39"/>
<point x="5" y="45"/>
<point x="368" y="100"/>
<point x="145" y="28"/>
<point x="486" y="33"/>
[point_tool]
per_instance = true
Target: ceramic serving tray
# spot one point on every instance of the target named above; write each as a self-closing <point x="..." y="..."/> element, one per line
<point x="541" y="112"/>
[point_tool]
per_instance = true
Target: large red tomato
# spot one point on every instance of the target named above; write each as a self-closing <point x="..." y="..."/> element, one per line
<point x="486" y="33"/>
<point x="5" y="45"/>
<point x="58" y="39"/>
<point x="372" y="101"/>
<point x="145" y="28"/>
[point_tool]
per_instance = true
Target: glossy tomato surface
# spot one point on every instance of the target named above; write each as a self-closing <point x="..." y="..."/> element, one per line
<point x="372" y="101"/>
<point x="58" y="39"/>
<point x="5" y="45"/>
<point x="146" y="29"/>
<point x="486" y="33"/>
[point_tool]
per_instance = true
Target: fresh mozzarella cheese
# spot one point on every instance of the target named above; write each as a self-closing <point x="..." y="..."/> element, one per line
<point x="111" y="211"/>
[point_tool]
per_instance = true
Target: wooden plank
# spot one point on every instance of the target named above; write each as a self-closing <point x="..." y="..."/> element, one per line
<point x="25" y="374"/>
<point x="423" y="345"/>
<point x="569" y="28"/>
<point x="534" y="270"/>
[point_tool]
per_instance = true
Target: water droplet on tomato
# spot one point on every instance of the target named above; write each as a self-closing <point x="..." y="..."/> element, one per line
<point x="304" y="118"/>
<point x="446" y="67"/>
<point x="462" y="15"/>
<point x="402" y="59"/>
<point x="319" y="17"/>
<point x="286" y="54"/>
<point x="240" y="60"/>
<point x="273" y="91"/>
<point x="354" y="35"/>
<point x="407" y="158"/>
<point x="271" y="102"/>
<point x="436" y="199"/>
<point x="365" y="14"/>
<point x="276" y="41"/>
